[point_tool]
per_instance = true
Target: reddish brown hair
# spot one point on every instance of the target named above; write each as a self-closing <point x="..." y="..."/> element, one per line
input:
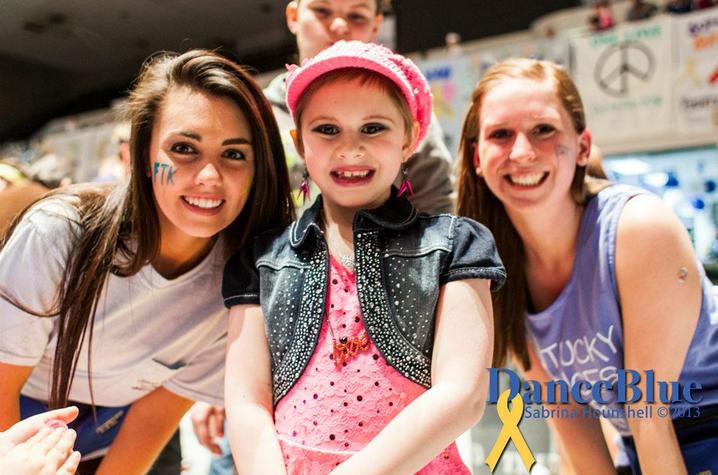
<point x="476" y="201"/>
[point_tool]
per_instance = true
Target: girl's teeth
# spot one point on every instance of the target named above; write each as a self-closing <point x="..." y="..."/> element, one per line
<point x="353" y="174"/>
<point x="203" y="202"/>
<point x="526" y="180"/>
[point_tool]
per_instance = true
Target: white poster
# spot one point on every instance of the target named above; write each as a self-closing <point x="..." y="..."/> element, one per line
<point x="696" y="75"/>
<point x="624" y="77"/>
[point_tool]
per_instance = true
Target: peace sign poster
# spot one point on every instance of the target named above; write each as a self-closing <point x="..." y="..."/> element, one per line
<point x="624" y="76"/>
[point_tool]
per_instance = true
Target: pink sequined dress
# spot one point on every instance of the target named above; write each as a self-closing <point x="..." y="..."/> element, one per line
<point x="331" y="413"/>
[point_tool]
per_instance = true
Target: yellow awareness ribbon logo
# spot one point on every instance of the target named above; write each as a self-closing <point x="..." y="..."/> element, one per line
<point x="510" y="431"/>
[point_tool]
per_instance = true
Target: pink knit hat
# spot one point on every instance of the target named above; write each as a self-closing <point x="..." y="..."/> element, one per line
<point x="356" y="54"/>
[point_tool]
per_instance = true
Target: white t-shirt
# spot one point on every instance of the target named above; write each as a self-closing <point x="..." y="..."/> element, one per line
<point x="148" y="332"/>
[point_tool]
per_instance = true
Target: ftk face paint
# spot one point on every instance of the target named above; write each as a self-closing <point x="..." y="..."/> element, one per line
<point x="163" y="173"/>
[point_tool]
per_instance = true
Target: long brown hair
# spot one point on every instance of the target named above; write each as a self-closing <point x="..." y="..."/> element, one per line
<point x="123" y="222"/>
<point x="475" y="200"/>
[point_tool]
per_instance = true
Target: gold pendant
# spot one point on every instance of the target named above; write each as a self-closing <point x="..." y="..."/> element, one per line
<point x="347" y="348"/>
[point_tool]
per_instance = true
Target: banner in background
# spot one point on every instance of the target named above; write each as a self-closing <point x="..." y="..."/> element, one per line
<point x="696" y="73"/>
<point x="451" y="79"/>
<point x="624" y="76"/>
<point x="555" y="50"/>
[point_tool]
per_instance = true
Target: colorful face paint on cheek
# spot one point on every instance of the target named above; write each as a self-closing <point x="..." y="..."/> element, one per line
<point x="163" y="174"/>
<point x="170" y="175"/>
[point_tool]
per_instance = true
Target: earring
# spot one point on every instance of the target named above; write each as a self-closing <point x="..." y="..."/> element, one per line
<point x="405" y="182"/>
<point x="304" y="186"/>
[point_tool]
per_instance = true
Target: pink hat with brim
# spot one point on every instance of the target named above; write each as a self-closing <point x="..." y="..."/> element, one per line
<point x="356" y="54"/>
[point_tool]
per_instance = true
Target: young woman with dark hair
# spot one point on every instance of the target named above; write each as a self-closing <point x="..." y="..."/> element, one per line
<point x="111" y="295"/>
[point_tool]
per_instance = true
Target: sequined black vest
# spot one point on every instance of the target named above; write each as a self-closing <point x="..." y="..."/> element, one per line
<point x="401" y="260"/>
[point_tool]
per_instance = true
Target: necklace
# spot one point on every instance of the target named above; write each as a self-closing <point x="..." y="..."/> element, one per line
<point x="347" y="261"/>
<point x="347" y="348"/>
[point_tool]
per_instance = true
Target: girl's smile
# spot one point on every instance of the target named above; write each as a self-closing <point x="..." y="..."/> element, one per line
<point x="352" y="176"/>
<point x="526" y="180"/>
<point x="204" y="205"/>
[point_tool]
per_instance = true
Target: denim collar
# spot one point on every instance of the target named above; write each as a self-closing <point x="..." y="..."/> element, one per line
<point x="397" y="213"/>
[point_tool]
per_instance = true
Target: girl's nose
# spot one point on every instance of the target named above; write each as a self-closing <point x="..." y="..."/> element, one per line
<point x="350" y="148"/>
<point x="522" y="148"/>
<point x="208" y="174"/>
<point x="351" y="153"/>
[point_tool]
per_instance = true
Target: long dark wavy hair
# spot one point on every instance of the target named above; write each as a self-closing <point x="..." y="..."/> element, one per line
<point x="122" y="221"/>
<point x="476" y="200"/>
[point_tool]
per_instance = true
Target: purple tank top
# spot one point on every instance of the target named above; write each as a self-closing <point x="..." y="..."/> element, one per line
<point x="580" y="335"/>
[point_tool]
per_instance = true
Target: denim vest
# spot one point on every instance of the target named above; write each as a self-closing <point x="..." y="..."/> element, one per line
<point x="401" y="260"/>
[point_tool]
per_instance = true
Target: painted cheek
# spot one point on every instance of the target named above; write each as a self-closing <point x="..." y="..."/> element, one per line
<point x="561" y="152"/>
<point x="163" y="174"/>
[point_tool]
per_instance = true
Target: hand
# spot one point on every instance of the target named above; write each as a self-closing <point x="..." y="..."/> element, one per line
<point x="26" y="428"/>
<point x="208" y="424"/>
<point x="48" y="452"/>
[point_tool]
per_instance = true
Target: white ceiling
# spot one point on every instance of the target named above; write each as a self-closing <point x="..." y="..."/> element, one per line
<point x="84" y="36"/>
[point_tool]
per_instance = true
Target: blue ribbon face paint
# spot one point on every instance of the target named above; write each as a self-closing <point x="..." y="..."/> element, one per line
<point x="166" y="173"/>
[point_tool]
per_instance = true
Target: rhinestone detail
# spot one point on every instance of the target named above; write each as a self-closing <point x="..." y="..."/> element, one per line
<point x="381" y="325"/>
<point x="308" y="326"/>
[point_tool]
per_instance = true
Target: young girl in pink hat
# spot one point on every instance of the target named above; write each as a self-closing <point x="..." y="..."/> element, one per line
<point x="359" y="336"/>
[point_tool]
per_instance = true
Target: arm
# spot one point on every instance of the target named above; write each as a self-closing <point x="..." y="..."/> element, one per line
<point x="581" y="439"/>
<point x="463" y="345"/>
<point x="659" y="312"/>
<point x="13" y="378"/>
<point x="248" y="394"/>
<point x="147" y="428"/>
